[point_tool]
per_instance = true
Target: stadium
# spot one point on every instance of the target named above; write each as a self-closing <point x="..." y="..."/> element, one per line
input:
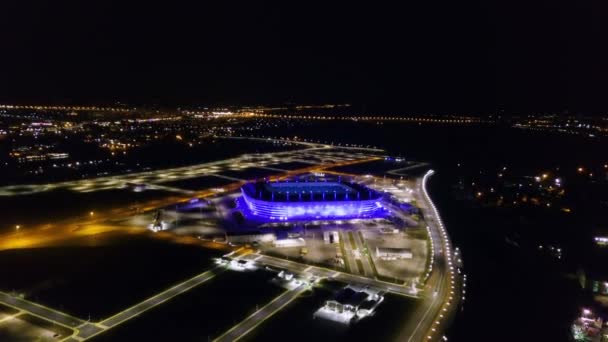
<point x="303" y="200"/>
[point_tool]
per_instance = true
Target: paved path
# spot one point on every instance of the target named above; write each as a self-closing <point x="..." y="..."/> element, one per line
<point x="367" y="268"/>
<point x="160" y="298"/>
<point x="84" y="329"/>
<point x="244" y="327"/>
<point x="81" y="327"/>
<point x="41" y="311"/>
<point x="299" y="268"/>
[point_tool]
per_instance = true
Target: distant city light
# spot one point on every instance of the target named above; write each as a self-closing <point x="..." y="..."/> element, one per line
<point x="601" y="240"/>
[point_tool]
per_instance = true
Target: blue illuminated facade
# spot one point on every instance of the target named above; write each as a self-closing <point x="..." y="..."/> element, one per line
<point x="290" y="201"/>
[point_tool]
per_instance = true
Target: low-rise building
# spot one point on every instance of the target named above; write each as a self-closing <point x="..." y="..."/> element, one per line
<point x="387" y="253"/>
<point x="350" y="304"/>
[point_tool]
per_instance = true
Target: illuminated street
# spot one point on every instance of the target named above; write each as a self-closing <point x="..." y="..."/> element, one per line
<point x="259" y="316"/>
<point x="155" y="179"/>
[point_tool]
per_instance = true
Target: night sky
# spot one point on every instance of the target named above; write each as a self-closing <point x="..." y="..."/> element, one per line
<point x="415" y="56"/>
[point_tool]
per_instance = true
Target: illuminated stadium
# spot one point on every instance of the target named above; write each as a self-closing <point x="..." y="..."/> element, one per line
<point x="301" y="200"/>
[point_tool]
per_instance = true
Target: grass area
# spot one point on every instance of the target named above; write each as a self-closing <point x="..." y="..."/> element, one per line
<point x="378" y="276"/>
<point x="393" y="280"/>
<point x="419" y="233"/>
<point x="101" y="279"/>
<point x="203" y="313"/>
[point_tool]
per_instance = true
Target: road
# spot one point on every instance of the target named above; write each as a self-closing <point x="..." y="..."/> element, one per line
<point x="60" y="318"/>
<point x="84" y="329"/>
<point x="244" y="327"/>
<point x="367" y="268"/>
<point x="40" y="310"/>
<point x="349" y="256"/>
<point x="296" y="267"/>
<point x="438" y="302"/>
<point x="160" y="298"/>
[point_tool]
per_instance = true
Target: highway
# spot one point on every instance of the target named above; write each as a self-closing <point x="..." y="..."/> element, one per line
<point x="244" y="327"/>
<point x="438" y="302"/>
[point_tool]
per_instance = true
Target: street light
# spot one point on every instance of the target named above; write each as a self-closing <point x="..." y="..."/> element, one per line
<point x="17" y="227"/>
<point x="91" y="213"/>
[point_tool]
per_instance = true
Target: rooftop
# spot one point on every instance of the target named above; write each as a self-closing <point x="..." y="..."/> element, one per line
<point x="303" y="191"/>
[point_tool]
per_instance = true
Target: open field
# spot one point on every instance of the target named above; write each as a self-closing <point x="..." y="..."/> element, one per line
<point x="56" y="205"/>
<point x="202" y="313"/>
<point x="102" y="277"/>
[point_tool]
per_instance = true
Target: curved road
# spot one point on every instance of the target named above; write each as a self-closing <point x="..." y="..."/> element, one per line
<point x="439" y="302"/>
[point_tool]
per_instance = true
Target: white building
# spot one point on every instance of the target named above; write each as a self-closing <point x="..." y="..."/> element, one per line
<point x="331" y="237"/>
<point x="386" y="253"/>
<point x="350" y="304"/>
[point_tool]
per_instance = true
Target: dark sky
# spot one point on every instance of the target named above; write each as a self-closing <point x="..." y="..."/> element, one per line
<point x="421" y="56"/>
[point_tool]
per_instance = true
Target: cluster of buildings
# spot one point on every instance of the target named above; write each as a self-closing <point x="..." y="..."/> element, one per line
<point x="350" y="304"/>
<point x="588" y="327"/>
<point x="36" y="153"/>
